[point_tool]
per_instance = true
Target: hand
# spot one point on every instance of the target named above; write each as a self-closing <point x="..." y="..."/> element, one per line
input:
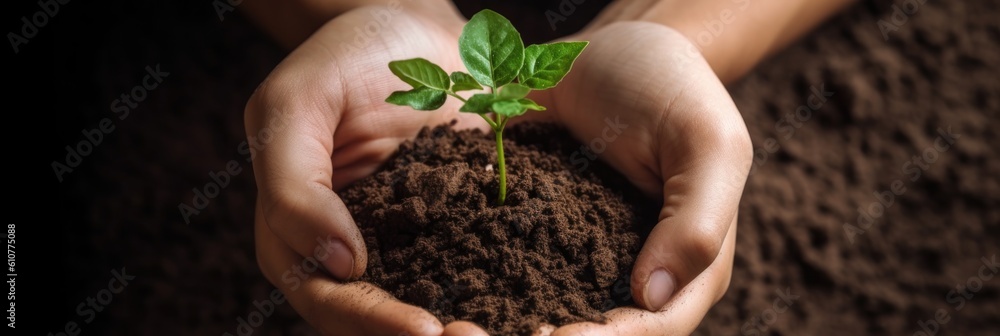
<point x="681" y="138"/>
<point x="316" y="124"/>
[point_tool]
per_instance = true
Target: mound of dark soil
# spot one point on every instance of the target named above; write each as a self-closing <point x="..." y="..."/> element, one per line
<point x="559" y="251"/>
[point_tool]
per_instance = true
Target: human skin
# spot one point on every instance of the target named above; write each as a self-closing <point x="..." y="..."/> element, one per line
<point x="686" y="145"/>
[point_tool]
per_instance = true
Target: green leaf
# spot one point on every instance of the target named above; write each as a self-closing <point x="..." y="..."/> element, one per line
<point x="419" y="72"/>
<point x="479" y="103"/>
<point x="422" y="98"/>
<point x="464" y="82"/>
<point x="531" y="104"/>
<point x="491" y="49"/>
<point x="515" y="107"/>
<point x="514" y="91"/>
<point x="545" y="65"/>
<point x="509" y="108"/>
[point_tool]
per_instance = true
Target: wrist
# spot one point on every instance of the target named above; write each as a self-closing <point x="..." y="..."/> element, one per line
<point x="717" y="29"/>
<point x="732" y="35"/>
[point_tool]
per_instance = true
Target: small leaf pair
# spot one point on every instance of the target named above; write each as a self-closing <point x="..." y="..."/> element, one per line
<point x="509" y="102"/>
<point x="495" y="56"/>
<point x="430" y="83"/>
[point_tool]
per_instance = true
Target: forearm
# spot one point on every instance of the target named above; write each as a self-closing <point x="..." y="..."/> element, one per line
<point x="290" y="22"/>
<point x="733" y="35"/>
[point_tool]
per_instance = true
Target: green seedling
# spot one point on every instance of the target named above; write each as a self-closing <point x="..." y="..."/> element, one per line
<point x="496" y="58"/>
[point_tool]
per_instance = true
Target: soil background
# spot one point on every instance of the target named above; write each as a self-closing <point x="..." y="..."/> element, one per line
<point x="119" y="208"/>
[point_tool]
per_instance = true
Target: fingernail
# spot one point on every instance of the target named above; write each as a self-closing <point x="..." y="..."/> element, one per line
<point x="659" y="288"/>
<point x="340" y="262"/>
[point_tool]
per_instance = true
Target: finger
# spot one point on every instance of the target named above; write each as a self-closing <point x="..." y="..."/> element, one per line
<point x="335" y="308"/>
<point x="291" y="145"/>
<point x="463" y="328"/>
<point x="680" y="316"/>
<point x="704" y="159"/>
<point x="291" y="121"/>
<point x="699" y="209"/>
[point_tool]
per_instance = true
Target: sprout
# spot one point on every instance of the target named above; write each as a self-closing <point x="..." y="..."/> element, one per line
<point x="495" y="56"/>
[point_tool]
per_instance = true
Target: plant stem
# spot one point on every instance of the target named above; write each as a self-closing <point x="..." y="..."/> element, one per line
<point x="450" y="93"/>
<point x="493" y="125"/>
<point x="501" y="161"/>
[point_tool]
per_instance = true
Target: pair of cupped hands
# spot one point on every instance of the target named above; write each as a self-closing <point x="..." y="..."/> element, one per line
<point x="319" y="122"/>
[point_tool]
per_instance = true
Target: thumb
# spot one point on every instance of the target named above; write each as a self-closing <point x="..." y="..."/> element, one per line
<point x="291" y="149"/>
<point x="700" y="205"/>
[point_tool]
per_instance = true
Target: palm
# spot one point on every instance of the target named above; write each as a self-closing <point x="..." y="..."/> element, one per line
<point x="647" y="82"/>
<point x="356" y="81"/>
<point x="319" y="123"/>
<point x="657" y="113"/>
